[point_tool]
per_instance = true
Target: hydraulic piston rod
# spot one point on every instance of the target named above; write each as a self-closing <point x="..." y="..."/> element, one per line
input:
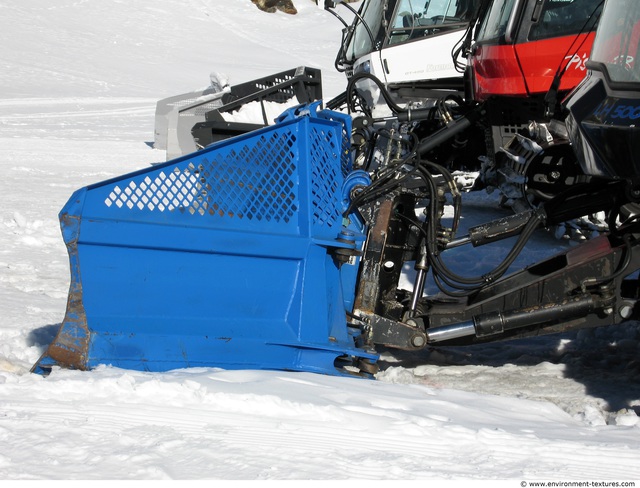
<point x="495" y="323"/>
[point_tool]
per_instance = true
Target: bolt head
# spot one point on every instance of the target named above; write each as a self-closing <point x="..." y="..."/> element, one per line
<point x="418" y="341"/>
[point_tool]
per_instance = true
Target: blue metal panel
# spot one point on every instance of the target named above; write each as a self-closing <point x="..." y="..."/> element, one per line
<point x="220" y="258"/>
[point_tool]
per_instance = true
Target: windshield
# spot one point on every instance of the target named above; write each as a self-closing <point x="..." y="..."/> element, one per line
<point x="361" y="42"/>
<point x="411" y="20"/>
<point x="415" y="19"/>
<point x="566" y="17"/>
<point x="556" y="18"/>
<point x="617" y="41"/>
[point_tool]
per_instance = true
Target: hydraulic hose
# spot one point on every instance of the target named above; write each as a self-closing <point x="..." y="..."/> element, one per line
<point x="448" y="131"/>
<point x="395" y="108"/>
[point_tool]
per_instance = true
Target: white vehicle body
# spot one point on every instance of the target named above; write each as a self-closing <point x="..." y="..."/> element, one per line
<point x="407" y="40"/>
<point x="408" y="62"/>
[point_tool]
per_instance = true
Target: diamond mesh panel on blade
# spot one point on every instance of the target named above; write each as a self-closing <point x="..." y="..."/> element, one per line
<point x="256" y="180"/>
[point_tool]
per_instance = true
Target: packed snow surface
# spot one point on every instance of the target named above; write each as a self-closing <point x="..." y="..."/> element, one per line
<point x="78" y="88"/>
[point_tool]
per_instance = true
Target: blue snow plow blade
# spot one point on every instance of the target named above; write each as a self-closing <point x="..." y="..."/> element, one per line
<point x="237" y="256"/>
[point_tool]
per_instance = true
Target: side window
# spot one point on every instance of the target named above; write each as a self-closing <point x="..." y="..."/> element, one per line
<point x="494" y="24"/>
<point x="415" y="19"/>
<point x="565" y="17"/>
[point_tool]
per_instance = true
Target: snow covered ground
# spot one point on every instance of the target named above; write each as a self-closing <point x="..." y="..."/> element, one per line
<point x="78" y="87"/>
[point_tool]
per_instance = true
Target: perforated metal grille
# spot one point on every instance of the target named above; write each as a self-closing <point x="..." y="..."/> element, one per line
<point x="345" y="156"/>
<point x="346" y="163"/>
<point x="254" y="181"/>
<point x="324" y="178"/>
<point x="202" y="109"/>
<point x="166" y="192"/>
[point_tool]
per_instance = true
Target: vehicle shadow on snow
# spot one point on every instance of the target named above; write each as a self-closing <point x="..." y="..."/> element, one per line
<point x="604" y="360"/>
